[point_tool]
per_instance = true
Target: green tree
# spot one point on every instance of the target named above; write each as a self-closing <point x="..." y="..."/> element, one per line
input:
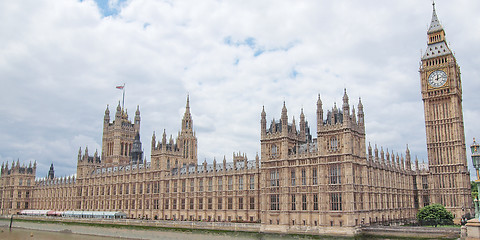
<point x="474" y="189"/>
<point x="434" y="214"/>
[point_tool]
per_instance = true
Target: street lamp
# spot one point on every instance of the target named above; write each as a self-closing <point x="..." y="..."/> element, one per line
<point x="475" y="147"/>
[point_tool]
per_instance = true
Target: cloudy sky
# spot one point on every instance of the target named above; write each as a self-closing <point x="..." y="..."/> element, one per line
<point x="61" y="60"/>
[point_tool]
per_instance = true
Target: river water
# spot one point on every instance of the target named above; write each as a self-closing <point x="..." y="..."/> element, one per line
<point x="27" y="234"/>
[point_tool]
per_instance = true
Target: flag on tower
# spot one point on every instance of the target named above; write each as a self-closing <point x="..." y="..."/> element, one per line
<point x="120" y="87"/>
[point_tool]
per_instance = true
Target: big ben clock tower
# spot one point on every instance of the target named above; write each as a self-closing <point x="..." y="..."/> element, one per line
<point x="449" y="180"/>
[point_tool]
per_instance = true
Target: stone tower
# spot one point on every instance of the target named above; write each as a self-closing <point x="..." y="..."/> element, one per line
<point x="137" y="152"/>
<point x="16" y="187"/>
<point x="51" y="172"/>
<point x="169" y="154"/>
<point x="442" y="98"/>
<point x="118" y="137"/>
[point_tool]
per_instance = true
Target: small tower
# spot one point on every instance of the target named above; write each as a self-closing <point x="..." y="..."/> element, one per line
<point x="284" y="120"/>
<point x="346" y="107"/>
<point x="302" y="136"/>
<point x="137" y="153"/>
<point x="263" y="123"/>
<point x="51" y="173"/>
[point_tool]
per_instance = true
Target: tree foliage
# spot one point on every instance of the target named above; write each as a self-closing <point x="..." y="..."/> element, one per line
<point x="435" y="214"/>
<point x="474" y="189"/>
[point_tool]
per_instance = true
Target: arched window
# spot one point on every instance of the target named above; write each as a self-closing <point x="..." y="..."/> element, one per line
<point x="274" y="151"/>
<point x="333" y="144"/>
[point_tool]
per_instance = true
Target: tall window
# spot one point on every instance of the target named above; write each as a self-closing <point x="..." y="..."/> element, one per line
<point x="252" y="182"/>
<point x="292" y="177"/>
<point x="220" y="184"/>
<point x="240" y="182"/>
<point x="336" y="201"/>
<point x="200" y="203"/>
<point x="200" y="185"/>
<point x="191" y="203"/>
<point x="315" y="202"/>
<point x="304" y="202"/>
<point x="335" y="176"/>
<point x="192" y="185"/>
<point x="230" y="203"/>
<point x="183" y="185"/>
<point x="219" y="203"/>
<point x="230" y="183"/>
<point x="314" y="176"/>
<point x="333" y="144"/>
<point x="294" y="203"/>
<point x="240" y="203"/>
<point x="274" y="178"/>
<point x="209" y="203"/>
<point x="274" y="202"/>
<point x="304" y="177"/>
<point x="252" y="202"/>
<point x="210" y="184"/>
<point x="274" y="151"/>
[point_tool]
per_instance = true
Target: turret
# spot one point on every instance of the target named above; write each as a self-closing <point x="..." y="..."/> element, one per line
<point x="153" y="140"/>
<point x="284" y="120"/>
<point x="118" y="113"/>
<point x="187" y="117"/>
<point x="302" y="127"/>
<point x="319" y="113"/>
<point x="294" y="127"/>
<point x="263" y="123"/>
<point x="360" y="112"/>
<point x="80" y="154"/>
<point x="164" y="139"/>
<point x="106" y="118"/>
<point x="370" y="156"/>
<point x="51" y="173"/>
<point x="346" y="107"/>
<point x="416" y="164"/>
<point x="137" y="119"/>
<point x="407" y="159"/>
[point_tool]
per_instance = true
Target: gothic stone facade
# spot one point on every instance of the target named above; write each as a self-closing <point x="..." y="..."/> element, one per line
<point x="298" y="181"/>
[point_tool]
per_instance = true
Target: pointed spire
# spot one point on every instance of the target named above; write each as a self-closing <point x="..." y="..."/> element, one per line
<point x="164" y="138"/>
<point x="360" y="112"/>
<point x="294" y="127"/>
<point x="263" y="123"/>
<point x="370" y="152"/>
<point x="345" y="96"/>
<point x="137" y="112"/>
<point x="284" y="119"/>
<point x="319" y="112"/>
<point x="153" y="140"/>
<point x="302" y="126"/>
<point x="284" y="111"/>
<point x="435" y="25"/>
<point x="187" y="117"/>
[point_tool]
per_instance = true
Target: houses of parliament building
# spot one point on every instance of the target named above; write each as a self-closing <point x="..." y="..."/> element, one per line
<point x="333" y="179"/>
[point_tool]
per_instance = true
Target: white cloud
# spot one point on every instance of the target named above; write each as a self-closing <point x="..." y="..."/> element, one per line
<point x="61" y="60"/>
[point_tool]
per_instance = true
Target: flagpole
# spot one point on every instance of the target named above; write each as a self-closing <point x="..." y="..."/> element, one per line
<point x="123" y="98"/>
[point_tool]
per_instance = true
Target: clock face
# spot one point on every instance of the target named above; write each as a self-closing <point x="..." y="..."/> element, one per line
<point x="437" y="78"/>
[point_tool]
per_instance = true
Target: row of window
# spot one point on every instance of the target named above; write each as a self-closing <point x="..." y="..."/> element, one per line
<point x="131" y="188"/>
<point x="9" y="181"/>
<point x="335" y="202"/>
<point x="334" y="176"/>
<point x="173" y="204"/>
